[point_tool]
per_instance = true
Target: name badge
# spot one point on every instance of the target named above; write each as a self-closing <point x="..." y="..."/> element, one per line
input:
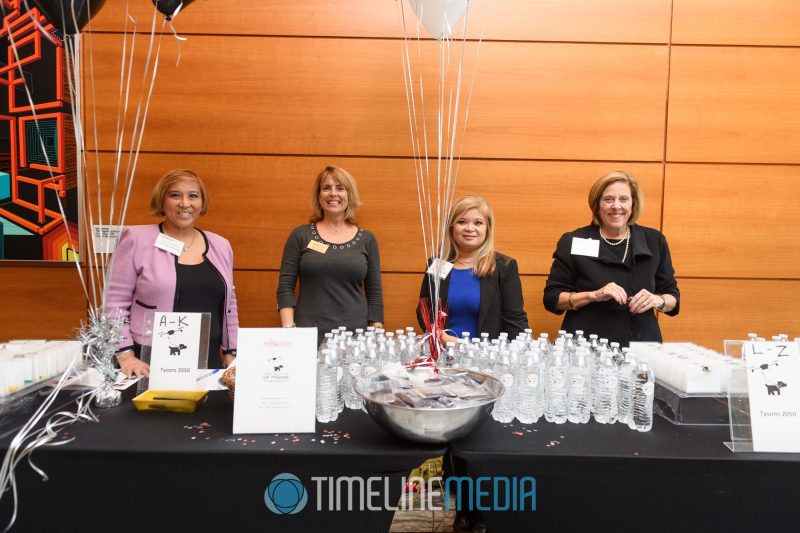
<point x="318" y="246"/>
<point x="587" y="247"/>
<point x="169" y="244"/>
<point x="440" y="267"/>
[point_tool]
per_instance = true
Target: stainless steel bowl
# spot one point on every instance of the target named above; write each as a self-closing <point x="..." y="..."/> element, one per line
<point x="434" y="425"/>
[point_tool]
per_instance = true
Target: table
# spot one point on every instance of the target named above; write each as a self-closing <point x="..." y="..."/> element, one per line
<point x="187" y="472"/>
<point x="595" y="477"/>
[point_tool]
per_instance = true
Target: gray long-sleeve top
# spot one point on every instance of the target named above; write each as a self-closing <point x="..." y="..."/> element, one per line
<point x="341" y="287"/>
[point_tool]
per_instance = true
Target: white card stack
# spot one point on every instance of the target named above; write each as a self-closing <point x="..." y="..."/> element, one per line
<point x="686" y="366"/>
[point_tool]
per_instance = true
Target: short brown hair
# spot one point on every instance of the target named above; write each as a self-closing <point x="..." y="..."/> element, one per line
<point x="637" y="198"/>
<point x="168" y="180"/>
<point x="341" y="177"/>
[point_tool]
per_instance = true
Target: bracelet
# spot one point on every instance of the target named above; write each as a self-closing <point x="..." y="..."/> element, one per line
<point x="663" y="303"/>
<point x="292" y="325"/>
<point x="571" y="303"/>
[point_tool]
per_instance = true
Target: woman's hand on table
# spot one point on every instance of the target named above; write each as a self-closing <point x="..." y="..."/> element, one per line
<point x="130" y="365"/>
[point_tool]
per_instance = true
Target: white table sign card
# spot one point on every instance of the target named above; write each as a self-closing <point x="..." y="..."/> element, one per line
<point x="773" y="382"/>
<point x="175" y="351"/>
<point x="276" y="378"/>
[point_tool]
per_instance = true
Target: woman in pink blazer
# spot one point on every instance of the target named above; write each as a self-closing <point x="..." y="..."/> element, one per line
<point x="174" y="266"/>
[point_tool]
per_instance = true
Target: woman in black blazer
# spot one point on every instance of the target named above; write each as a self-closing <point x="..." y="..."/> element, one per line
<point x="613" y="276"/>
<point x="482" y="292"/>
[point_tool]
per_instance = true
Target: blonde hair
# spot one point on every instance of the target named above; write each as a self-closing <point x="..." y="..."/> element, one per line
<point x="168" y="180"/>
<point x="596" y="192"/>
<point x="341" y="177"/>
<point x="485" y="257"/>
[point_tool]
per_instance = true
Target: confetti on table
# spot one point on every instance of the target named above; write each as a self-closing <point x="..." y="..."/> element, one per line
<point x="517" y="433"/>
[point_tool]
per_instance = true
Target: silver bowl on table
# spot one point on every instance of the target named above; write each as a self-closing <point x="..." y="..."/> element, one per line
<point x="434" y="424"/>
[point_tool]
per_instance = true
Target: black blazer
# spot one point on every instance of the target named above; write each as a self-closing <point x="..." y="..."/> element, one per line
<point x="651" y="269"/>
<point x="502" y="308"/>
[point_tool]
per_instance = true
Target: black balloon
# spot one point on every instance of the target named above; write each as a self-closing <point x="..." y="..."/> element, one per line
<point x="60" y="13"/>
<point x="168" y="7"/>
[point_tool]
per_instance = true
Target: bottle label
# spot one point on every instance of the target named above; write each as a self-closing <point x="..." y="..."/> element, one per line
<point x="532" y="380"/>
<point x="368" y="371"/>
<point x="339" y="373"/>
<point x="649" y="389"/>
<point x="578" y="381"/>
<point x="507" y="380"/>
<point x="355" y="368"/>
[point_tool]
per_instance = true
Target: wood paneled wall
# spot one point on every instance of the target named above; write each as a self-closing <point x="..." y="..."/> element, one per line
<point x="699" y="99"/>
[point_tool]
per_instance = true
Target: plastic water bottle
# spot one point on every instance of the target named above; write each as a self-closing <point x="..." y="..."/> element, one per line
<point x="555" y="408"/>
<point x="327" y="389"/>
<point x="529" y="405"/>
<point x="448" y="358"/>
<point x="626" y="370"/>
<point x="616" y="354"/>
<point x="607" y="389"/>
<point x="352" y="370"/>
<point x="504" y="406"/>
<point x="544" y="345"/>
<point x="641" y="418"/>
<point x="579" y="396"/>
<point x="467" y="358"/>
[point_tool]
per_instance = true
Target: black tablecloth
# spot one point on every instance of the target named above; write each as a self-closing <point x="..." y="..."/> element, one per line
<point x="597" y="477"/>
<point x="188" y="472"/>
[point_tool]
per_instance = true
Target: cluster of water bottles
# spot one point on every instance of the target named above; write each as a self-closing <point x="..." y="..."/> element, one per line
<point x="344" y="357"/>
<point x="569" y="380"/>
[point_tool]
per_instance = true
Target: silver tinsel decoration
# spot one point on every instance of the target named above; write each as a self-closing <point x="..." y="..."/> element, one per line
<point x="100" y="337"/>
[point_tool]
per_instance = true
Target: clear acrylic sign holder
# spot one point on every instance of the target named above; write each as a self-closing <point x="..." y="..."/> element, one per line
<point x="202" y="355"/>
<point x="738" y="402"/>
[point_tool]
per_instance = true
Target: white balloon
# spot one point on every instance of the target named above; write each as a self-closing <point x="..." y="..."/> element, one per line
<point x="440" y="16"/>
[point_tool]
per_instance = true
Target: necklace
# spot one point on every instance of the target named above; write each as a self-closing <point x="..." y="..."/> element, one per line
<point x="463" y="261"/>
<point x="626" y="239"/>
<point x="187" y="246"/>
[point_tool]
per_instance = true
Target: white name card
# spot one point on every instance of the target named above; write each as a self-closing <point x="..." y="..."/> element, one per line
<point x="276" y="378"/>
<point x="587" y="247"/>
<point x="773" y="382"/>
<point x="104" y="238"/>
<point x="176" y="346"/>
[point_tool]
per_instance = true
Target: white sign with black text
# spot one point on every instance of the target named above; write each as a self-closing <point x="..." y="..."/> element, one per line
<point x="276" y="377"/>
<point x="773" y="383"/>
<point x="176" y="345"/>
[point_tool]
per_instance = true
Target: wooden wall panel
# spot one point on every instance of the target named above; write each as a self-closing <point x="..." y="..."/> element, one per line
<point x="733" y="220"/>
<point x="257" y="200"/>
<point x="516" y="20"/>
<point x="713" y="310"/>
<point x="766" y="22"/>
<point x="41" y="302"/>
<point x="344" y="96"/>
<point x="734" y="105"/>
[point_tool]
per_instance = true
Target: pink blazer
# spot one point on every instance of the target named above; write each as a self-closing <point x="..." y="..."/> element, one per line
<point x="143" y="278"/>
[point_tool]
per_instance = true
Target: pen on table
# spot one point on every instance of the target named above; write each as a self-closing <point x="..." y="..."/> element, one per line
<point x="208" y="375"/>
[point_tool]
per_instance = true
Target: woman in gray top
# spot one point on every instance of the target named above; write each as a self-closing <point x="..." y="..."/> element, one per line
<point x="338" y="263"/>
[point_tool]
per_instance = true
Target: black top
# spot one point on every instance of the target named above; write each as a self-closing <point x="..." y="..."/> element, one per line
<point x="648" y="266"/>
<point x="502" y="307"/>
<point x="200" y="289"/>
<point x="338" y="287"/>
